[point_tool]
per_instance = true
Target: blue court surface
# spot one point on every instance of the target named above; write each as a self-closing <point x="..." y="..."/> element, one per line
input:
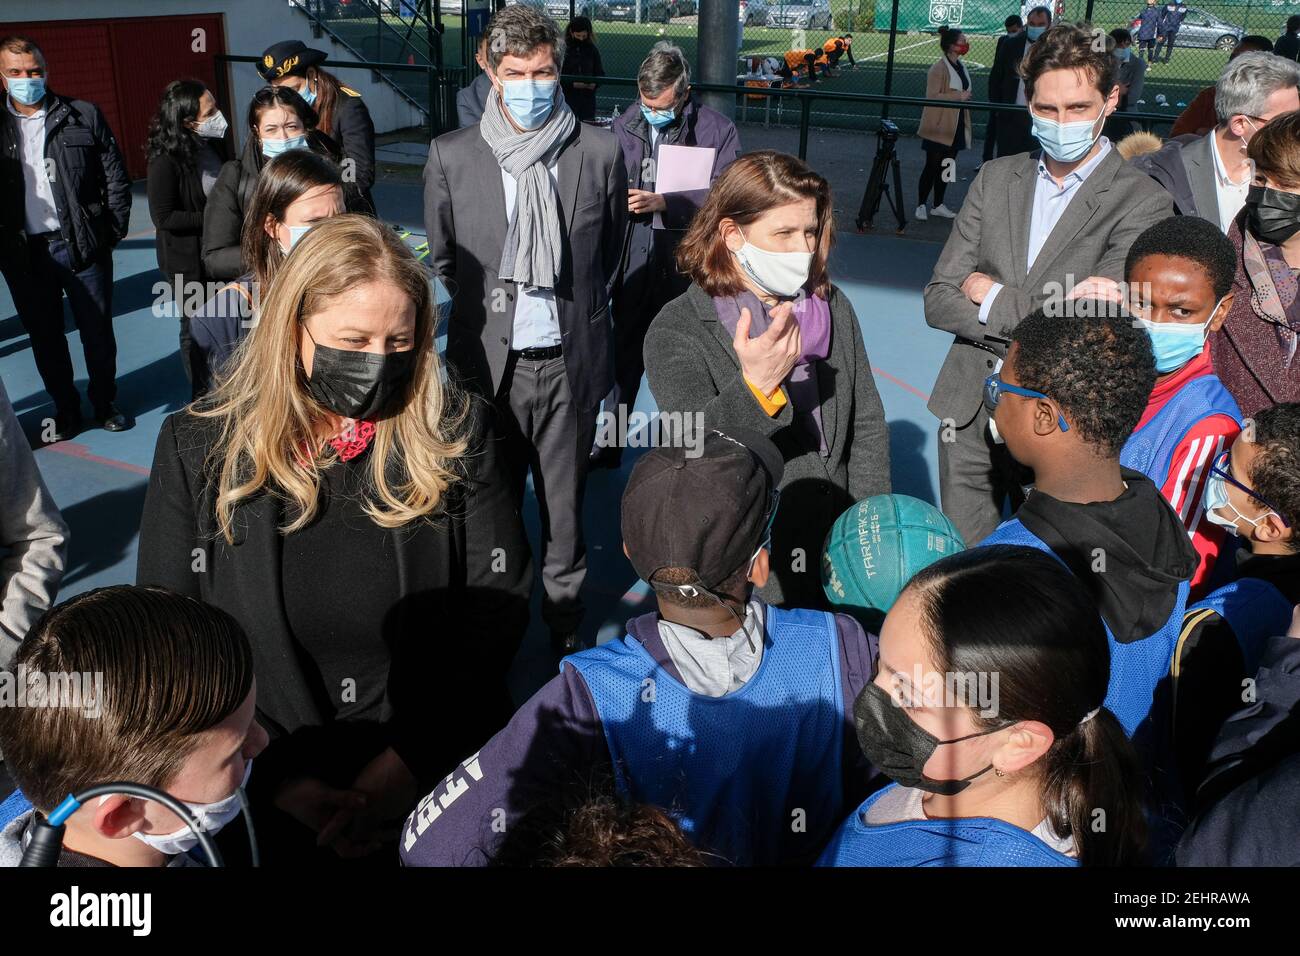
<point x="99" y="479"/>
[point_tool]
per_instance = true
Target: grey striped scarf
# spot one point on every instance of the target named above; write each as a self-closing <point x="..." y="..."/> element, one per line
<point x="531" y="252"/>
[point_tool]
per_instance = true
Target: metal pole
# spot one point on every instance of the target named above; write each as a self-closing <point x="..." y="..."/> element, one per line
<point x="1087" y="13"/>
<point x="717" y="51"/>
<point x="889" y="60"/>
<point x="805" y="116"/>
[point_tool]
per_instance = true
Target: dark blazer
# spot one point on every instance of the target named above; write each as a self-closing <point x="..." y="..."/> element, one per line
<point x="453" y="632"/>
<point x="1004" y="81"/>
<point x="991" y="235"/>
<point x="692" y="367"/>
<point x="465" y="220"/>
<point x="1184" y="166"/>
<point x="471" y="101"/>
<point x="176" y="203"/>
<point x="354" y="132"/>
<point x="92" y="189"/>
<point x="581" y="59"/>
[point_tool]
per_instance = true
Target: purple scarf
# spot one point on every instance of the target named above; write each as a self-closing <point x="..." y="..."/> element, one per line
<point x="814" y="317"/>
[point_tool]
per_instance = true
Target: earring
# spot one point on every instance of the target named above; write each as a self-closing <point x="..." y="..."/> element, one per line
<point x="998" y="772"/>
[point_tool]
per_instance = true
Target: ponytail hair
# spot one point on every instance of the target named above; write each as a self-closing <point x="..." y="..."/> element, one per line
<point x="1020" y="614"/>
<point x="948" y="37"/>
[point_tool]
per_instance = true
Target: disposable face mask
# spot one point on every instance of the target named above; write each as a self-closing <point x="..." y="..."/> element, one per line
<point x="295" y="233"/>
<point x="994" y="433"/>
<point x="1034" y="32"/>
<point x="1066" y="142"/>
<point x="1274" y="216"/>
<point x="899" y="747"/>
<point x="529" y="101"/>
<point x="658" y="118"/>
<point x="777" y="273"/>
<point x="1216" y="497"/>
<point x="28" y="90"/>
<point x="210" y="816"/>
<point x="1123" y="53"/>
<point x="272" y="148"/>
<point x="358" y="384"/>
<point x="214" y="127"/>
<point x="308" y="94"/>
<point x="1176" y="344"/>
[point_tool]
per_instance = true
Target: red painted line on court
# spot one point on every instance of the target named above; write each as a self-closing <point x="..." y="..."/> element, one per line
<point x="901" y="384"/>
<point x="76" y="450"/>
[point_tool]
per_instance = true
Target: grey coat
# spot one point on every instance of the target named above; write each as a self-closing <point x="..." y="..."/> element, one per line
<point x="692" y="367"/>
<point x="465" y="219"/>
<point x="991" y="235"/>
<point x="33" y="537"/>
<point x="1184" y="166"/>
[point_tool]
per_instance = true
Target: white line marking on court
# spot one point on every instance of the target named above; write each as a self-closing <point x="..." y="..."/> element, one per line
<point x="900" y="49"/>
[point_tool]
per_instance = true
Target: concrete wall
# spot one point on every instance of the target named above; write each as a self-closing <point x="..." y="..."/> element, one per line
<point x="251" y="26"/>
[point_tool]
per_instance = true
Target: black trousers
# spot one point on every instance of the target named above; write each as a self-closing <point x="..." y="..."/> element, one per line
<point x="932" y="175"/>
<point x="38" y="296"/>
<point x="1168" y="43"/>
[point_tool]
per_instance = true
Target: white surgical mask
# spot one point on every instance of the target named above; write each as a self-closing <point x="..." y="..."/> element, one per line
<point x="993" y="431"/>
<point x="211" y="817"/>
<point x="777" y="273"/>
<point x="214" y="127"/>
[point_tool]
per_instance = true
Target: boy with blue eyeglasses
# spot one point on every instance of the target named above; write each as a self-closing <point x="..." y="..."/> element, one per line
<point x="1179" y="275"/>
<point x="1253" y="491"/>
<point x="1064" y="402"/>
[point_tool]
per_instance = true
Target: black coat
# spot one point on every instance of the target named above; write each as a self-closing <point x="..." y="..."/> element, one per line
<point x="176" y="204"/>
<point x="92" y="189"/>
<point x="232" y="194"/>
<point x="1004" y="81"/>
<point x="581" y="59"/>
<point x="354" y="132"/>
<point x="453" y="632"/>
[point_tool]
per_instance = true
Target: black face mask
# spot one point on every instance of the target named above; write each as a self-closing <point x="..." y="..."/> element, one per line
<point x="358" y="384"/>
<point x="899" y="747"/>
<point x="1274" y="216"/>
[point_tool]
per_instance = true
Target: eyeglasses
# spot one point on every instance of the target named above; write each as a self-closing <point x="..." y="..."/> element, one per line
<point x="1223" y="468"/>
<point x="994" y="387"/>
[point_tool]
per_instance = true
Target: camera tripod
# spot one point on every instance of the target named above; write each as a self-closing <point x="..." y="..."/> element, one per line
<point x="886" y="157"/>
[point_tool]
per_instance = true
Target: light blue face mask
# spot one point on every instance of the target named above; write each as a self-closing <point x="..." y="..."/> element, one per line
<point x="295" y="233"/>
<point x="308" y="94"/>
<point x="272" y="148"/>
<point x="1216" y="497"/>
<point x="1175" y="343"/>
<point x="1124" y="53"/>
<point x="1066" y="142"/>
<point x="1035" y="32"/>
<point x="28" y="90"/>
<point x="658" y="118"/>
<point x="529" y="101"/>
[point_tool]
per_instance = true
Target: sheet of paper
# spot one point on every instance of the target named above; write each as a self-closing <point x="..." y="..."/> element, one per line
<point x="681" y="168"/>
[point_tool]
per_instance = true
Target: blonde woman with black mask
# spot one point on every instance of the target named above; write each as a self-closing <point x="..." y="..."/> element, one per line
<point x="340" y="499"/>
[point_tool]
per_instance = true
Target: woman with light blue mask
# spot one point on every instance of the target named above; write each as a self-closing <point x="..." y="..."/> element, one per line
<point x="296" y="191"/>
<point x="279" y="123"/>
<point x="341" y="112"/>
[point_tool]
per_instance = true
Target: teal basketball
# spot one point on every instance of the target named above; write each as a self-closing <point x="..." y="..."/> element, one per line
<point x="875" y="547"/>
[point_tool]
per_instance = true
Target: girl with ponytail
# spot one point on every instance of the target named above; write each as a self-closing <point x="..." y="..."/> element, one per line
<point x="986" y="711"/>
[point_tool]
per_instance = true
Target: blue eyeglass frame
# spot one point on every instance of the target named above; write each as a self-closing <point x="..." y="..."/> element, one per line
<point x="994" y="386"/>
<point x="1226" y="458"/>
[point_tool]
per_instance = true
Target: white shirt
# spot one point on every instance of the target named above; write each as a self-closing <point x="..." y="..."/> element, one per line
<point x="42" y="214"/>
<point x="537" y="320"/>
<point x="1050" y="203"/>
<point x="1231" y="196"/>
<point x="719" y="665"/>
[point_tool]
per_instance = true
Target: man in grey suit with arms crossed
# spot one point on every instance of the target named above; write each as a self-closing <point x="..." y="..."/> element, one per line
<point x="525" y="213"/>
<point x="1035" y="227"/>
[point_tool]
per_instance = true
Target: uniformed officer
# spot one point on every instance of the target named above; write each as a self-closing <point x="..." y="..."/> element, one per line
<point x="343" y="114"/>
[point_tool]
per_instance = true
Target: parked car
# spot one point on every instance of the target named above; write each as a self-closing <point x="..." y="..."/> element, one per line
<point x="800" y="14"/>
<point x="1202" y="30"/>
<point x="652" y="11"/>
<point x="754" y="12"/>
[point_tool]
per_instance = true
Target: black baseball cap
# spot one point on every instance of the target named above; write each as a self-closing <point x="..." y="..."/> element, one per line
<point x="707" y="513"/>
<point x="288" y="58"/>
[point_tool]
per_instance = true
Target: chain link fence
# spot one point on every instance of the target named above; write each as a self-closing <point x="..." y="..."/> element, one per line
<point x="624" y="30"/>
